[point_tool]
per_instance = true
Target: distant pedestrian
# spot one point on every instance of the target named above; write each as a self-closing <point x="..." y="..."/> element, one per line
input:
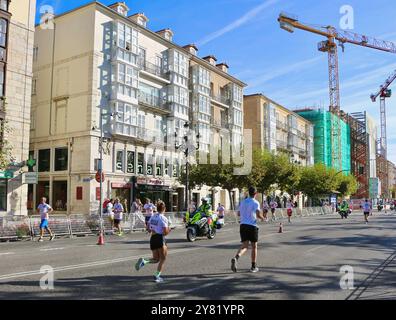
<point x="110" y="213"/>
<point x="273" y="205"/>
<point x="159" y="228"/>
<point x="220" y="211"/>
<point x="148" y="211"/>
<point x="265" y="210"/>
<point x="366" y="210"/>
<point x="289" y="207"/>
<point x="249" y="210"/>
<point x="44" y="210"/>
<point x="136" y="206"/>
<point x="118" y="215"/>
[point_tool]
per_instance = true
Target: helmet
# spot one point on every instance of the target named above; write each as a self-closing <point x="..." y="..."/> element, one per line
<point x="204" y="200"/>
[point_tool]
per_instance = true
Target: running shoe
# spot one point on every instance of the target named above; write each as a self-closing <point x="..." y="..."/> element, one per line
<point x="139" y="264"/>
<point x="120" y="234"/>
<point x="158" y="279"/>
<point x="254" y="270"/>
<point x="234" y="265"/>
<point x="52" y="238"/>
<point x="40" y="240"/>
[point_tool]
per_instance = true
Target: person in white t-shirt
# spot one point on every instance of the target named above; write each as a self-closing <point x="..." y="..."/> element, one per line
<point x="289" y="207"/>
<point x="44" y="210"/>
<point x="110" y="212"/>
<point x="148" y="211"/>
<point x="366" y="210"/>
<point x="118" y="215"/>
<point x="249" y="210"/>
<point x="265" y="210"/>
<point x="273" y="205"/>
<point x="159" y="228"/>
<point x="220" y="211"/>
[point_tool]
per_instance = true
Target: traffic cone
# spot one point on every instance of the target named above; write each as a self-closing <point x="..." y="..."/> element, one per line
<point x="280" y="228"/>
<point x="101" y="239"/>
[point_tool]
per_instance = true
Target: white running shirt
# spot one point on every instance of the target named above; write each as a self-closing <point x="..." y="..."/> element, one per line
<point x="158" y="222"/>
<point x="44" y="208"/>
<point x="248" y="211"/>
<point x="118" y="210"/>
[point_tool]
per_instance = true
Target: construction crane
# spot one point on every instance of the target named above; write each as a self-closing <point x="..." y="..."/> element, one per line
<point x="290" y="22"/>
<point x="384" y="93"/>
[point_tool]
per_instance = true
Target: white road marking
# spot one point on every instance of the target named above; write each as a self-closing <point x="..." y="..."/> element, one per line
<point x="316" y="248"/>
<point x="113" y="261"/>
<point x="6" y="253"/>
<point x="52" y="249"/>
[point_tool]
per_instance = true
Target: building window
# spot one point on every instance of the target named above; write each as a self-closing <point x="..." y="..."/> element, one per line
<point x="59" y="195"/>
<point x="4" y="5"/>
<point x="44" y="160"/>
<point x="3" y="32"/>
<point x="130" y="162"/>
<point x="127" y="38"/>
<point x="42" y="190"/>
<point x="120" y="161"/>
<point x="34" y="86"/>
<point x="3" y="195"/>
<point x="140" y="163"/>
<point x="61" y="159"/>
<point x="35" y="53"/>
<point x="158" y="166"/>
<point x="150" y="165"/>
<point x="2" y="80"/>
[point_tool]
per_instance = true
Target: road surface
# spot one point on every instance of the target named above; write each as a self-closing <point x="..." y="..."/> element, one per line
<point x="302" y="263"/>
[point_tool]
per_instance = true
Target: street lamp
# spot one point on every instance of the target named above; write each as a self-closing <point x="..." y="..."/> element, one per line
<point x="188" y="148"/>
<point x="100" y="164"/>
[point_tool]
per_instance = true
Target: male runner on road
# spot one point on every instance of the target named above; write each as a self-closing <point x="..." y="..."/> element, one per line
<point x="249" y="209"/>
<point x="366" y="210"/>
<point x="118" y="215"/>
<point x="44" y="209"/>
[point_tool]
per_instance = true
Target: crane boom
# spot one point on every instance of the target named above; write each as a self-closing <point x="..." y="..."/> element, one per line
<point x="384" y="87"/>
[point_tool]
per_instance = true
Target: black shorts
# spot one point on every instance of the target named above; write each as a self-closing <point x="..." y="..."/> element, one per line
<point x="366" y="213"/>
<point x="157" y="241"/>
<point x="249" y="233"/>
<point x="273" y="210"/>
<point x="117" y="221"/>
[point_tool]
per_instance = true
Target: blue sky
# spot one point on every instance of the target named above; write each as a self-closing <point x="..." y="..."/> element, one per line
<point x="286" y="67"/>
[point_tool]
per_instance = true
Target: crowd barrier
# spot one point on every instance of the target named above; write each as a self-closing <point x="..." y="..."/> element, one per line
<point x="19" y="228"/>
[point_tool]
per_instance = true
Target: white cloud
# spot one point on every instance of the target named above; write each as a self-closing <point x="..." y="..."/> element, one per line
<point x="237" y="23"/>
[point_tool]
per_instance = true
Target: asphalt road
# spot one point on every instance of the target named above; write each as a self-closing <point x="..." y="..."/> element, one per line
<point x="302" y="263"/>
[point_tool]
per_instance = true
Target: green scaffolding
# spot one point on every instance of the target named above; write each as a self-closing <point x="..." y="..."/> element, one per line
<point x="323" y="144"/>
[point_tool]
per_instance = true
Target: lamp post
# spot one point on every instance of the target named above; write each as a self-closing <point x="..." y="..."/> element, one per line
<point x="188" y="148"/>
<point x="100" y="164"/>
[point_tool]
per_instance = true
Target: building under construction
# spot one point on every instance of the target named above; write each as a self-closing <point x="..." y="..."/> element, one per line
<point x="324" y="145"/>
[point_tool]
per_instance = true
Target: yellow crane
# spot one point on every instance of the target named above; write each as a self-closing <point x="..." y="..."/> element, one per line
<point x="335" y="37"/>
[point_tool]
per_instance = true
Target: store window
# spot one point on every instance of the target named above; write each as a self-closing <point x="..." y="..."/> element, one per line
<point x="59" y="195"/>
<point x="130" y="162"/>
<point x="44" y="160"/>
<point x="159" y="166"/>
<point x="150" y="165"/>
<point x="3" y="195"/>
<point x="120" y="161"/>
<point x="4" y="4"/>
<point x="140" y="163"/>
<point x="61" y="159"/>
<point x="42" y="190"/>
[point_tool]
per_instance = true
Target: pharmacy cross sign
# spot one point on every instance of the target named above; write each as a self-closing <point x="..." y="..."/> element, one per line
<point x="31" y="162"/>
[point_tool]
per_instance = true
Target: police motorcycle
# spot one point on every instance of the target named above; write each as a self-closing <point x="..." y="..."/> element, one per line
<point x="201" y="224"/>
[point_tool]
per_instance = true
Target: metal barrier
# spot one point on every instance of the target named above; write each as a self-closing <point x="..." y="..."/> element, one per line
<point x="59" y="224"/>
<point x="14" y="228"/>
<point x="81" y="224"/>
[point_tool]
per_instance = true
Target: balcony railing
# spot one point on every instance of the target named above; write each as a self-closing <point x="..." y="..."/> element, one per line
<point x="282" y="125"/>
<point x="153" y="69"/>
<point x="153" y="101"/>
<point x="221" y="124"/>
<point x="220" y="98"/>
<point x="137" y="133"/>
<point x="281" y="144"/>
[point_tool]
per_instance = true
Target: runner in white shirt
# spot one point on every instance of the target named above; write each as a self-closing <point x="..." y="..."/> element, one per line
<point x="265" y="210"/>
<point x="110" y="212"/>
<point x="366" y="210"/>
<point x="118" y="215"/>
<point x="220" y="210"/>
<point x="273" y="205"/>
<point x="159" y="228"/>
<point x="148" y="211"/>
<point x="44" y="210"/>
<point x="249" y="210"/>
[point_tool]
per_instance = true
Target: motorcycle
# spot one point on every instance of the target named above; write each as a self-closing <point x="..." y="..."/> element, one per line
<point x="380" y="207"/>
<point x="344" y="213"/>
<point x="199" y="225"/>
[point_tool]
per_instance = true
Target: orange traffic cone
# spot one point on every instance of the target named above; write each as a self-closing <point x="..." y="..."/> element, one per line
<point x="101" y="239"/>
<point x="281" y="228"/>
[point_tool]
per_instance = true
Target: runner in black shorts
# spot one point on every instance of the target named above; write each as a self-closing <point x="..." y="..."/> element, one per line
<point x="249" y="209"/>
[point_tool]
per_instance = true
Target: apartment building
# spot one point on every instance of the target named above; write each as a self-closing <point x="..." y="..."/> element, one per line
<point x="100" y="62"/>
<point x="278" y="129"/>
<point x="16" y="53"/>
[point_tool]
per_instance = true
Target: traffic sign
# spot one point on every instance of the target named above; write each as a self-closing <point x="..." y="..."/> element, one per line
<point x="30" y="178"/>
<point x="97" y="176"/>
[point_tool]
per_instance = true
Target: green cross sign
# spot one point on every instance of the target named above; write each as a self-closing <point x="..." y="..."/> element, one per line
<point x="31" y="162"/>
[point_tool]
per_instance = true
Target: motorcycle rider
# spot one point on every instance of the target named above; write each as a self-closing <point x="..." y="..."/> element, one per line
<point x="205" y="207"/>
<point x="344" y="209"/>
